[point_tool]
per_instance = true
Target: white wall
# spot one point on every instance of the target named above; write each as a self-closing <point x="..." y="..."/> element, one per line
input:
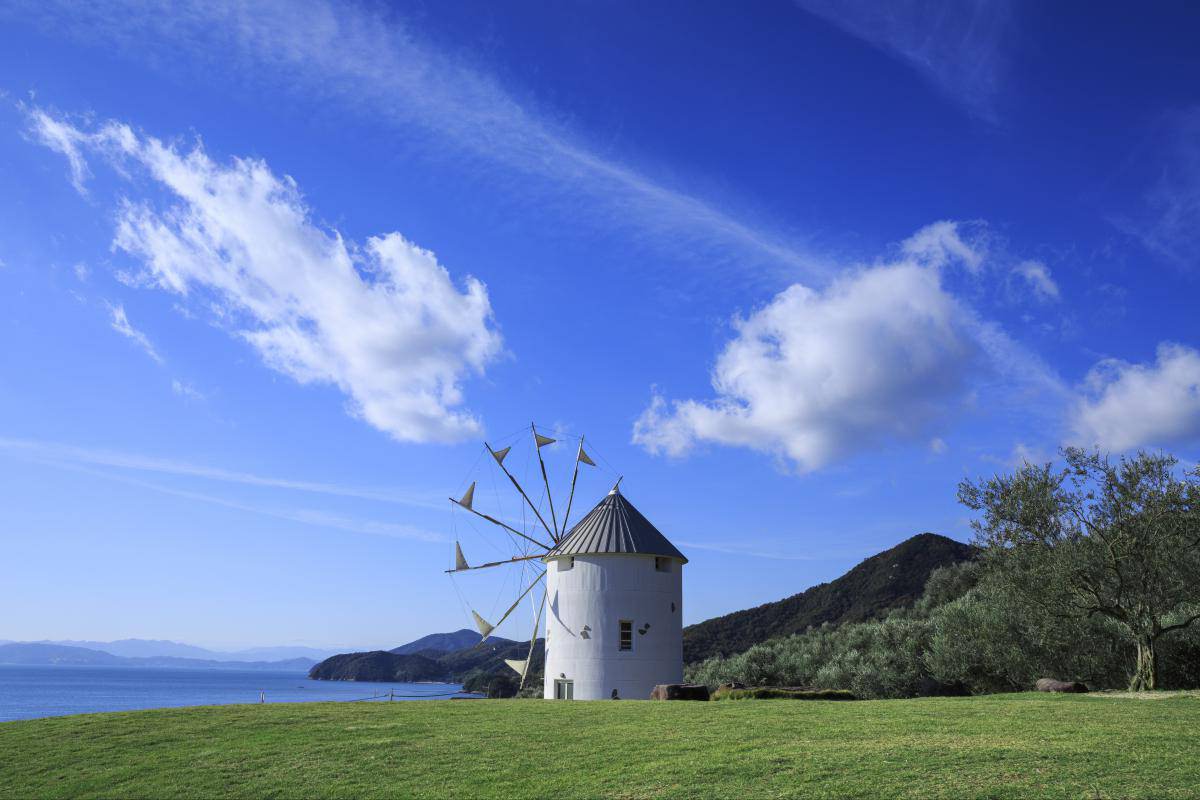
<point x="584" y="612"/>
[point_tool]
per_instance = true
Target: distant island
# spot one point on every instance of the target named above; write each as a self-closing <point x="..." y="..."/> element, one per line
<point x="44" y="654"/>
<point x="458" y="657"/>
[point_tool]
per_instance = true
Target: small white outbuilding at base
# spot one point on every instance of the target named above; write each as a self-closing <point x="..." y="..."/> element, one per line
<point x="615" y="621"/>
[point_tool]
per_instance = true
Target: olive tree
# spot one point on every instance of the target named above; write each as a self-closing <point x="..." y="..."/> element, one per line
<point x="1098" y="539"/>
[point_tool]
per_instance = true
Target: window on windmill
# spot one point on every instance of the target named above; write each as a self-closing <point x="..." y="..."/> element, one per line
<point x="565" y="564"/>
<point x="662" y="564"/>
<point x="626" y="642"/>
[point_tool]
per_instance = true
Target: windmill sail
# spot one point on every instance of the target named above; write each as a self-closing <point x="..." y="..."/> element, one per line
<point x="500" y="454"/>
<point x="468" y="498"/>
<point x="583" y="457"/>
<point x="542" y="441"/>
<point x="518" y="665"/>
<point x="485" y="627"/>
<point x="460" y="562"/>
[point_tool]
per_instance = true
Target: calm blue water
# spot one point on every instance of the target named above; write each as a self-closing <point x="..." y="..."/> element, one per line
<point x="28" y="692"/>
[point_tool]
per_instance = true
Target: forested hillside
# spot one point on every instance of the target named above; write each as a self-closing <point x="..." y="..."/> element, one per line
<point x="892" y="579"/>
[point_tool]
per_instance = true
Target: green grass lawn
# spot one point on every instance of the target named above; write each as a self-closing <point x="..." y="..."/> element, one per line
<point x="999" y="746"/>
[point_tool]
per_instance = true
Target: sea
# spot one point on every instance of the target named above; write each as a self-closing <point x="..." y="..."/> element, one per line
<point x="51" y="691"/>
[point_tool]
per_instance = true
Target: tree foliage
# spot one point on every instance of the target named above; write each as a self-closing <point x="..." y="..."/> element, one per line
<point x="1115" y="544"/>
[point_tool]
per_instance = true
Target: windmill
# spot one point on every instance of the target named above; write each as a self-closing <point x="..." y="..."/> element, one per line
<point x="612" y="587"/>
<point x="532" y="540"/>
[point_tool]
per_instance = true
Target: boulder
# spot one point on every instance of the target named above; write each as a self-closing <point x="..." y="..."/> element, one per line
<point x="679" y="691"/>
<point x="1051" y="685"/>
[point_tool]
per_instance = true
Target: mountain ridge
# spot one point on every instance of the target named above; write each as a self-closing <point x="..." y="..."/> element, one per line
<point x="460" y="639"/>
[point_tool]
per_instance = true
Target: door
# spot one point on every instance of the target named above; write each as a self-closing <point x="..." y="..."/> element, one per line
<point x="564" y="690"/>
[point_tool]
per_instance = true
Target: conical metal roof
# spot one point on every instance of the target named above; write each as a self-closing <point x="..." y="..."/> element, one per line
<point x="615" y="526"/>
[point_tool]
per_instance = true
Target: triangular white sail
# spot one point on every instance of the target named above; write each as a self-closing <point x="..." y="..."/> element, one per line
<point x="517" y="665"/>
<point x="460" y="562"/>
<point x="583" y="457"/>
<point x="500" y="454"/>
<point x="485" y="627"/>
<point x="542" y="441"/>
<point x="469" y="497"/>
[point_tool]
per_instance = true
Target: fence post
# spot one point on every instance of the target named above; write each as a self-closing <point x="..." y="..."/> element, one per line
<point x="262" y="696"/>
<point x="391" y="692"/>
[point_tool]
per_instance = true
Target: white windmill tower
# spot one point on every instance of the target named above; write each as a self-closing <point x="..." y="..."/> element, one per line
<point x="613" y="592"/>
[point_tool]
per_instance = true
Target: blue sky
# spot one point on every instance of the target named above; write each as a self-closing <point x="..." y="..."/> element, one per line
<point x="271" y="274"/>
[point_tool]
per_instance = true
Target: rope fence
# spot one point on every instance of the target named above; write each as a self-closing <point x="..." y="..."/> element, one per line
<point x="388" y="696"/>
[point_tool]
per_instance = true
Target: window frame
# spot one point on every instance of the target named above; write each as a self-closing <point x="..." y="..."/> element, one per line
<point x="662" y="564"/>
<point x="624" y="644"/>
<point x="564" y="689"/>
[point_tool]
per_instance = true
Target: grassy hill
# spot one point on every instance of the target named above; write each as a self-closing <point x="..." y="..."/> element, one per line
<point x="1000" y="746"/>
<point x="889" y="580"/>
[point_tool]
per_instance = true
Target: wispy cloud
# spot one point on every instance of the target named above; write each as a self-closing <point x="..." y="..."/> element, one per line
<point x="120" y="324"/>
<point x="186" y="390"/>
<point x="70" y="454"/>
<point x="67" y="141"/>
<point x="383" y="321"/>
<point x="1036" y="277"/>
<point x="313" y="517"/>
<point x="346" y="56"/>
<point x="1168" y="223"/>
<point x="749" y="551"/>
<point x="958" y="47"/>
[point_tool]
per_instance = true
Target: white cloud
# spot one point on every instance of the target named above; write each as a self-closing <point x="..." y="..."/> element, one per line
<point x="82" y="273"/>
<point x="63" y="138"/>
<point x="344" y="55"/>
<point x="1125" y="406"/>
<point x="942" y="243"/>
<point x="383" y="321"/>
<point x="958" y="47"/>
<point x="120" y="324"/>
<point x="938" y="446"/>
<point x="1037" y="276"/>
<point x="186" y="390"/>
<point x="879" y="354"/>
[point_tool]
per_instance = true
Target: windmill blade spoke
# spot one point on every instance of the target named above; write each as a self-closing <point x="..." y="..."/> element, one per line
<point x="537" y="621"/>
<point x="580" y="458"/>
<point x="513" y="607"/>
<point x="513" y="560"/>
<point x="500" y="462"/>
<point x="508" y="528"/>
<point x="538" y="442"/>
